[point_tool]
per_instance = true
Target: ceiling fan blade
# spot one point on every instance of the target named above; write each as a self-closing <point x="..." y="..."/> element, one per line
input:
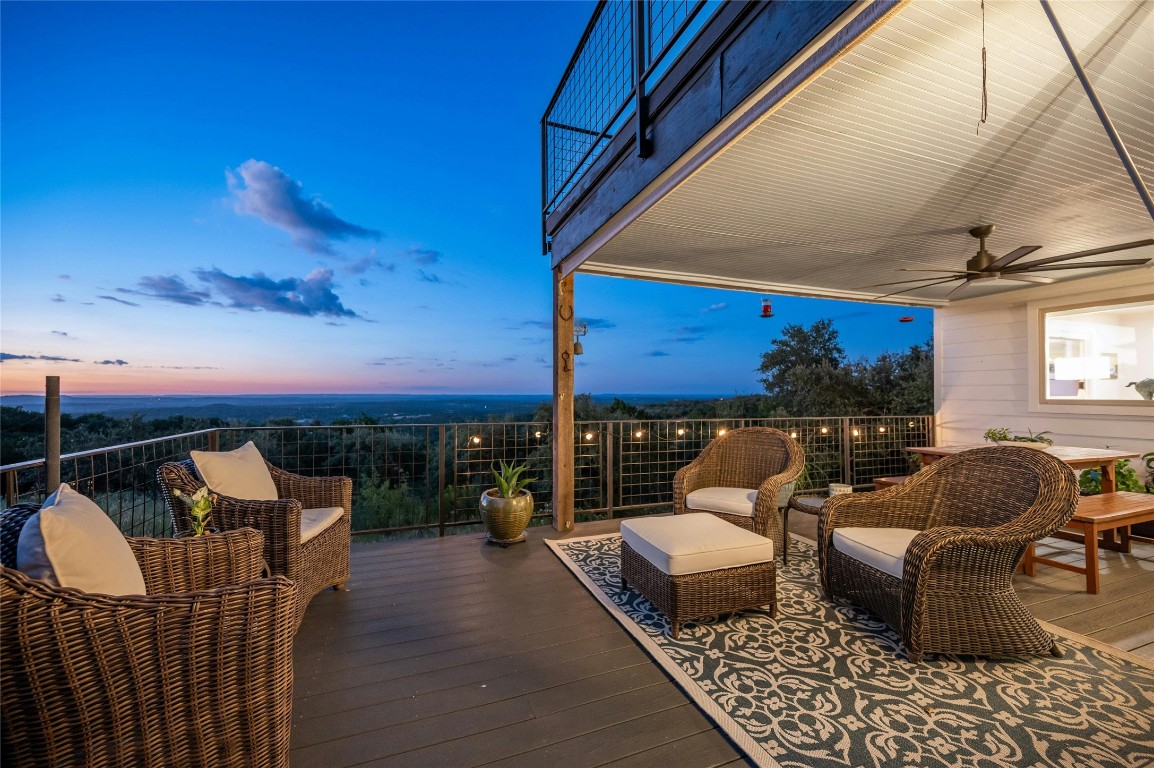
<point x="919" y="280"/>
<point x="1026" y="278"/>
<point x="1091" y="252"/>
<point x="959" y="289"/>
<point x="1012" y="256"/>
<point x="1114" y="263"/>
<point x="916" y="287"/>
<point x="946" y="271"/>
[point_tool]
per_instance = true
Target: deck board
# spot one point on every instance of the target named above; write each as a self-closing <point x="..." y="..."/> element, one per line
<point x="449" y="652"/>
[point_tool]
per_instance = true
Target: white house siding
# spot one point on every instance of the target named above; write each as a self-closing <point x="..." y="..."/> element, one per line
<point x="986" y="369"/>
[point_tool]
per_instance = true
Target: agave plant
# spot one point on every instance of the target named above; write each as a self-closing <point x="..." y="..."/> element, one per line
<point x="509" y="480"/>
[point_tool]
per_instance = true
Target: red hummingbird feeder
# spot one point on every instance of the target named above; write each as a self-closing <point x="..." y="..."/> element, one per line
<point x="766" y="308"/>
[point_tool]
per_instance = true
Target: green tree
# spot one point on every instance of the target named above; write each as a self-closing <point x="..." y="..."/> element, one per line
<point x="807" y="374"/>
<point x="799" y="350"/>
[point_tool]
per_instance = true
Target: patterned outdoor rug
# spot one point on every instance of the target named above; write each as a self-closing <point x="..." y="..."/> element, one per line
<point x="828" y="684"/>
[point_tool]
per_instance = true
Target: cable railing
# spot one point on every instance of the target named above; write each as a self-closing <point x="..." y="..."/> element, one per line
<point x="624" y="51"/>
<point x="427" y="479"/>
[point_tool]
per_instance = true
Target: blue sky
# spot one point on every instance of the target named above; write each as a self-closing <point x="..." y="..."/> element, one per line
<point x="321" y="197"/>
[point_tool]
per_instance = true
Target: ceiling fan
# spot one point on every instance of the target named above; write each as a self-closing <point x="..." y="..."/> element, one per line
<point x="984" y="266"/>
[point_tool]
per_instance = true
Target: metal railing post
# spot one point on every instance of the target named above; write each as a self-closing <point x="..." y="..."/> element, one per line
<point x="846" y="451"/>
<point x="214" y="440"/>
<point x="644" y="145"/>
<point x="441" y="479"/>
<point x="610" y="469"/>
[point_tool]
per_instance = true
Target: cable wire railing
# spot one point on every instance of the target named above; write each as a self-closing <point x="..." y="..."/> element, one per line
<point x="427" y="479"/>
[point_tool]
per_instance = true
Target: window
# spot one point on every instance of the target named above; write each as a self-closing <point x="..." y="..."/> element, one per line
<point x="1101" y="353"/>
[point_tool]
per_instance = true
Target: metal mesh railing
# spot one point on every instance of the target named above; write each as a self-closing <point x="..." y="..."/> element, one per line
<point x="121" y="479"/>
<point x="430" y="477"/>
<point x="587" y="109"/>
<point x="591" y="103"/>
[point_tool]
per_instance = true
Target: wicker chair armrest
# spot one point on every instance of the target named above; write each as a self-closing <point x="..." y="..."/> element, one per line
<point x="888" y="508"/>
<point x="200" y="562"/>
<point x="82" y="672"/>
<point x="278" y="520"/>
<point x="765" y="505"/>
<point x="697" y="474"/>
<point x="314" y="492"/>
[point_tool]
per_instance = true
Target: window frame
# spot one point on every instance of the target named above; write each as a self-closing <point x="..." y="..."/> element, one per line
<point x="1038" y="372"/>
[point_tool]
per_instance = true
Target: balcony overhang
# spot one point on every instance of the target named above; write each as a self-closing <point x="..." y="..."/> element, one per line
<point x="864" y="156"/>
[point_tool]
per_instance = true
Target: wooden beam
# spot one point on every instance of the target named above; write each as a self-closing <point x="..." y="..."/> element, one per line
<point x="563" y="365"/>
<point x="51" y="433"/>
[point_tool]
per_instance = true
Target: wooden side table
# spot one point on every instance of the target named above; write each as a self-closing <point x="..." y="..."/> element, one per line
<point x="1104" y="512"/>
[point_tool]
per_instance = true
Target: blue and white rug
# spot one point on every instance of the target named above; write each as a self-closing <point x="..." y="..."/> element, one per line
<point x="827" y="684"/>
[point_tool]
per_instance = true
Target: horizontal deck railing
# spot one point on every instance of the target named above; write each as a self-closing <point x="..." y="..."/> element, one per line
<point x="429" y="477"/>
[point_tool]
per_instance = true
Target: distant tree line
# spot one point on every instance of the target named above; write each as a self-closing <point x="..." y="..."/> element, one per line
<point x="805" y="373"/>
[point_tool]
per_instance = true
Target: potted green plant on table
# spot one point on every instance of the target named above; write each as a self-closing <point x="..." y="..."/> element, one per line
<point x="1002" y="436"/>
<point x="507" y="509"/>
<point x="199" y="510"/>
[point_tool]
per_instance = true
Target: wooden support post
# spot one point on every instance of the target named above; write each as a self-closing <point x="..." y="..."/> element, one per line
<point x="51" y="433"/>
<point x="563" y="365"/>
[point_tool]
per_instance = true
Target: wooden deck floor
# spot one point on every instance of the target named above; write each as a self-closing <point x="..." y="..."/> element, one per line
<point x="447" y="652"/>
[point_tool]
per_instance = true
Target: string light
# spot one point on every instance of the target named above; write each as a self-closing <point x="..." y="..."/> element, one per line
<point x="856" y="433"/>
<point x="476" y="440"/>
<point x="881" y="429"/>
<point x="537" y="433"/>
<point x="681" y="432"/>
<point x="793" y="435"/>
<point x="588" y="435"/>
<point x="638" y="433"/>
<point x="721" y="432"/>
<point x="825" y="430"/>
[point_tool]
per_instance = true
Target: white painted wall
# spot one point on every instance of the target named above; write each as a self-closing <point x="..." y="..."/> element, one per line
<point x="986" y="374"/>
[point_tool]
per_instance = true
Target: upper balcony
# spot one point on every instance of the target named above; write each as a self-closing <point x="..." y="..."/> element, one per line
<point x="832" y="148"/>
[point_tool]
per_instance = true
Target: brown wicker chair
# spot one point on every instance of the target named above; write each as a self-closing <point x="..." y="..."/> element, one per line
<point x="756" y="458"/>
<point x="196" y="672"/>
<point x="319" y="563"/>
<point x="976" y="512"/>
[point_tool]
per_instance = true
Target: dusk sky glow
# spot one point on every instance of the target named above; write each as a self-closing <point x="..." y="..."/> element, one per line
<point x="205" y="198"/>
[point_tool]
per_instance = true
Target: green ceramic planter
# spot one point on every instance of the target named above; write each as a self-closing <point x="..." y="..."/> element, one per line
<point x="506" y="519"/>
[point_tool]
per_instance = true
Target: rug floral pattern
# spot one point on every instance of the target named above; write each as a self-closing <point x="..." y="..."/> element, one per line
<point x="828" y="684"/>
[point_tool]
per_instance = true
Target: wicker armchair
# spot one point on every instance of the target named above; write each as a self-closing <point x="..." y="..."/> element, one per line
<point x="319" y="563"/>
<point x="759" y="459"/>
<point x="196" y="672"/>
<point x="971" y="516"/>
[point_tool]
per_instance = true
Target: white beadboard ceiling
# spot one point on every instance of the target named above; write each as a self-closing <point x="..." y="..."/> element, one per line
<point x="879" y="163"/>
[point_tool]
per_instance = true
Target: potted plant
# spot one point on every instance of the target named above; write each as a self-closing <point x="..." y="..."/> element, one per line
<point x="199" y="510"/>
<point x="507" y="509"/>
<point x="1002" y="436"/>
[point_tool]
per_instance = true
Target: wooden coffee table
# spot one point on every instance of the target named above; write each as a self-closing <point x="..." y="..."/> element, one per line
<point x="1105" y="512"/>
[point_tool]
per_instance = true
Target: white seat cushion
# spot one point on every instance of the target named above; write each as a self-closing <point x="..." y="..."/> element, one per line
<point x="313" y="521"/>
<point x="70" y="542"/>
<point x="241" y="474"/>
<point x="881" y="548"/>
<point x="730" y="501"/>
<point x="694" y="543"/>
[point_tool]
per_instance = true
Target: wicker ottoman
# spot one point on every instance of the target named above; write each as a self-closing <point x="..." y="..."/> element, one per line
<point x="696" y="565"/>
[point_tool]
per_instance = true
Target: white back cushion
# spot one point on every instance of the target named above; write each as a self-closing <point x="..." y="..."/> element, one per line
<point x="70" y="542"/>
<point x="241" y="474"/>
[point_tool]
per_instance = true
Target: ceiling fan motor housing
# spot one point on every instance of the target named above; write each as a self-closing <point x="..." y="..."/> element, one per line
<point x="982" y="258"/>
